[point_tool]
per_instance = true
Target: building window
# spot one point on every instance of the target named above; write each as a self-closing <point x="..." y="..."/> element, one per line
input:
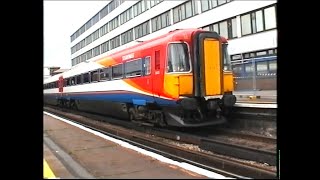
<point x="220" y="2"/>
<point x="236" y="57"/>
<point x="161" y="21"/>
<point x="125" y="16"/>
<point x="96" y="51"/>
<point x="113" y="24"/>
<point x="88" y="24"/>
<point x="141" y="30"/>
<point x="82" y="44"/>
<point x="83" y="57"/>
<point x="95" y="35"/>
<point x="155" y="2"/>
<point x="73" y="62"/>
<point x="95" y="19"/>
<point x="88" y="39"/>
<point x="223" y="29"/>
<point x="270" y="17"/>
<point x="273" y="66"/>
<point x="184" y="11"/>
<point x="210" y="4"/>
<point x="261" y="53"/>
<point x="204" y="5"/>
<point x="115" y="42"/>
<point x="226" y="28"/>
<point x="105" y="47"/>
<point x="262" y="67"/>
<point x="258" y="21"/>
<point x="104" y="30"/>
<point x="246" y="24"/>
<point x="126" y="37"/>
<point x="140" y="7"/>
<point x="72" y="50"/>
<point x="206" y="28"/>
<point x="89" y="54"/>
<point x="248" y="68"/>
<point x="233" y="28"/>
<point x="82" y="29"/>
<point x="104" y="12"/>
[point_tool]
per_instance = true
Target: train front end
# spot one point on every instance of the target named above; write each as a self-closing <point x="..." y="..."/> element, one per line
<point x="205" y="92"/>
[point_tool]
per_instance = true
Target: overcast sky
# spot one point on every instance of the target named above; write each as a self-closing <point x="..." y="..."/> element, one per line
<point x="61" y="20"/>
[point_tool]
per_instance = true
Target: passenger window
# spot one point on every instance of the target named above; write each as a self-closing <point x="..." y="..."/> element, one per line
<point x="147" y="66"/>
<point x="70" y="81"/>
<point x="117" y="71"/>
<point x="86" y="78"/>
<point x="73" y="81"/>
<point x="79" y="79"/>
<point x="95" y="76"/>
<point x="104" y="74"/>
<point x="133" y="68"/>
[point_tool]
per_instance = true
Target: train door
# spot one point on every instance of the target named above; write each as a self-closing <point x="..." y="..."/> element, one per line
<point x="147" y="65"/>
<point x="157" y="74"/>
<point x="208" y="70"/>
<point x="212" y="67"/>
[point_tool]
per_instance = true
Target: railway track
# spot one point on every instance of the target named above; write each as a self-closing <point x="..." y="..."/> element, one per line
<point x="242" y="135"/>
<point x="269" y="114"/>
<point x="239" y="145"/>
<point x="148" y="137"/>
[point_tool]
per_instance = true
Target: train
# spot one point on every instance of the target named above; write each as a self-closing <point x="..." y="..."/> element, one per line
<point x="180" y="79"/>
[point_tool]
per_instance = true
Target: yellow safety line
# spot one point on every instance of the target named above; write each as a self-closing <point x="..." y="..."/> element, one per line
<point x="48" y="174"/>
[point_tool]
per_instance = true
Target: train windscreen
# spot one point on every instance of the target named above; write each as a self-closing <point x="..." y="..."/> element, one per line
<point x="178" y="58"/>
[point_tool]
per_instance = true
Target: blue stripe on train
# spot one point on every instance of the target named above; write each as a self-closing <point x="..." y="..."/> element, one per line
<point x="123" y="98"/>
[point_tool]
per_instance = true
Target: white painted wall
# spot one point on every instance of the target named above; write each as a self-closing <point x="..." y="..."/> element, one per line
<point x="263" y="40"/>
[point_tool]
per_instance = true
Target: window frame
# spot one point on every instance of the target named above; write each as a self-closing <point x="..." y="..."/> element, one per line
<point x="253" y="13"/>
<point x="109" y="74"/>
<point x="122" y="76"/>
<point x="144" y="67"/>
<point x="91" y="75"/>
<point x="125" y="65"/>
<point x="167" y="55"/>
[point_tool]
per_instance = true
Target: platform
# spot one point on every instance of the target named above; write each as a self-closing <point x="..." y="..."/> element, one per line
<point x="256" y="97"/>
<point x="74" y="153"/>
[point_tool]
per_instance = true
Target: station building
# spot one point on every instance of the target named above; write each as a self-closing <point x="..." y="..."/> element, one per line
<point x="249" y="26"/>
